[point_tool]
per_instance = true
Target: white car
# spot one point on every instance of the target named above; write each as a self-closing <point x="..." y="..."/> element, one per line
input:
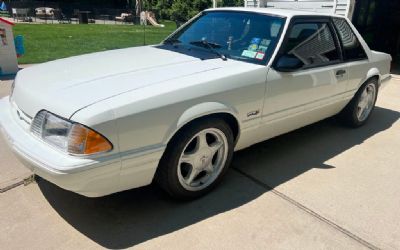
<point x="175" y="112"/>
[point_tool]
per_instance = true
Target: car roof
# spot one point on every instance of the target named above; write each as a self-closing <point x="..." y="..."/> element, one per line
<point x="275" y="11"/>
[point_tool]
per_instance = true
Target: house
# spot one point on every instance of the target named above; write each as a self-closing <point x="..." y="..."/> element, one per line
<point x="340" y="7"/>
<point x="8" y="55"/>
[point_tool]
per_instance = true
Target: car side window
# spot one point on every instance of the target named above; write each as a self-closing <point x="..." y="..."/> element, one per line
<point x="352" y="47"/>
<point x="311" y="44"/>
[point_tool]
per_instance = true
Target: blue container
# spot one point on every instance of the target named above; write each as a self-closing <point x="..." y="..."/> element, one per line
<point x="19" y="45"/>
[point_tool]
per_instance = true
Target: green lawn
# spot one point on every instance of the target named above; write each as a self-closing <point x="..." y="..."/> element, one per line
<point x="45" y="42"/>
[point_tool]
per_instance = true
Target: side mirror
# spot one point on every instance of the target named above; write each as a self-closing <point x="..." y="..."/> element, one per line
<point x="288" y="63"/>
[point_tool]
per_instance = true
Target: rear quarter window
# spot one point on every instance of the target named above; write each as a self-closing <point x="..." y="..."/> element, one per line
<point x="352" y="48"/>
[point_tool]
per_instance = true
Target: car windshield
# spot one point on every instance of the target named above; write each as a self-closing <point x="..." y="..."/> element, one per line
<point x="244" y="36"/>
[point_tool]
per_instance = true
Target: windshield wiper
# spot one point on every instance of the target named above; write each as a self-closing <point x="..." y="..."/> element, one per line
<point x="172" y="41"/>
<point x="211" y="47"/>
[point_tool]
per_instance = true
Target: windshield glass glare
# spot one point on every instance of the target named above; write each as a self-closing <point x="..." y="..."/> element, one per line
<point x="237" y="35"/>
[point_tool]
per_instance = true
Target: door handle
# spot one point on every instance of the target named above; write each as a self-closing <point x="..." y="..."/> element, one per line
<point x="340" y="72"/>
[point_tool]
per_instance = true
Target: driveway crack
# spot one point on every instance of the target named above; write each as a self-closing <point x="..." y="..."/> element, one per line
<point x="308" y="210"/>
<point x="24" y="182"/>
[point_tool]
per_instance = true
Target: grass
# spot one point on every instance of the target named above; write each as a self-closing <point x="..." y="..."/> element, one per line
<point x="45" y="42"/>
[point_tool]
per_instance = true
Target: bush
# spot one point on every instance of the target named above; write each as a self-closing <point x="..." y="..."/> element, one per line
<point x="182" y="10"/>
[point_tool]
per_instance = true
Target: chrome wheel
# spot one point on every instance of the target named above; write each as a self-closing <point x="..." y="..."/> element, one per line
<point x="202" y="159"/>
<point x="366" y="102"/>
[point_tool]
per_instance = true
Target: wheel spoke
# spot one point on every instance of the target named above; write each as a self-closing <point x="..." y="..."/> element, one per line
<point x="359" y="112"/>
<point x="210" y="168"/>
<point x="193" y="174"/>
<point x="362" y="104"/>
<point x="188" y="158"/>
<point x="364" y="94"/>
<point x="371" y="97"/>
<point x="215" y="147"/>
<point x="363" y="100"/>
<point x="201" y="140"/>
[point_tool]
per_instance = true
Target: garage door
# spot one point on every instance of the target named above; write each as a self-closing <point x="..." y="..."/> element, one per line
<point x="327" y="6"/>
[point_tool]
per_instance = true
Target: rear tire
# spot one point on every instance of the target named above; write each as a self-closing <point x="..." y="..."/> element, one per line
<point x="360" y="108"/>
<point x="196" y="159"/>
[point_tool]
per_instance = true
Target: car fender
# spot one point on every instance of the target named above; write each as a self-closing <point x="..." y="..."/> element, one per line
<point x="372" y="73"/>
<point x="198" y="111"/>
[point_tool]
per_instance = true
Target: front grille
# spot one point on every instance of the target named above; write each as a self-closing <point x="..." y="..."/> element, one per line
<point x="25" y="119"/>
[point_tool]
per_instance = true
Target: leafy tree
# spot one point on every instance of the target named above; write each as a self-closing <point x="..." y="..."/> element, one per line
<point x="163" y="9"/>
<point x="183" y="10"/>
<point x="232" y="3"/>
<point x="180" y="11"/>
<point x="200" y="5"/>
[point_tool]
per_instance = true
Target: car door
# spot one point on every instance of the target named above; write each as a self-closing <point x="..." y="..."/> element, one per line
<point x="307" y="80"/>
<point x="354" y="55"/>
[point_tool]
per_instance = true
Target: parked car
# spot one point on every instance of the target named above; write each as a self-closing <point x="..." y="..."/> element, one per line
<point x="175" y="112"/>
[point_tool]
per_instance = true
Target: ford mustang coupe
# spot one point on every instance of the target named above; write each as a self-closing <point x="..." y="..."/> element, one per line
<point x="174" y="113"/>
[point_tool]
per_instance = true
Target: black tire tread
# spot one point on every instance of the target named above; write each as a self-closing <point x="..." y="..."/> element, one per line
<point x="164" y="177"/>
<point x="347" y="115"/>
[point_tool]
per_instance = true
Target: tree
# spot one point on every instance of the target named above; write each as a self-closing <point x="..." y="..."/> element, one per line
<point x="183" y="10"/>
<point x="200" y="5"/>
<point x="163" y="9"/>
<point x="180" y="11"/>
<point x="232" y="3"/>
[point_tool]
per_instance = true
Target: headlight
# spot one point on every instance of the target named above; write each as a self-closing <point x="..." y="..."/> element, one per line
<point x="68" y="136"/>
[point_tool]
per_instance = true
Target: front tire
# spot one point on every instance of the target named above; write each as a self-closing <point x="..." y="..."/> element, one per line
<point x="196" y="159"/>
<point x="360" y="108"/>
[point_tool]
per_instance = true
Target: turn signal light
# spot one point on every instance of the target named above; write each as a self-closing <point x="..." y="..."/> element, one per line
<point x="86" y="141"/>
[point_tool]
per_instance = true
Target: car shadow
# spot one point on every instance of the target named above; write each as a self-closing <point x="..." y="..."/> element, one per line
<point x="285" y="157"/>
<point x="132" y="217"/>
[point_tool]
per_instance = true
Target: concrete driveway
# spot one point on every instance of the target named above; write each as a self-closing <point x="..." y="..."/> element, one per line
<point x="321" y="187"/>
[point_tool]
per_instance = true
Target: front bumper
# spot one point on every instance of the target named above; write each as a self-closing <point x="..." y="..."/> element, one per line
<point x="89" y="177"/>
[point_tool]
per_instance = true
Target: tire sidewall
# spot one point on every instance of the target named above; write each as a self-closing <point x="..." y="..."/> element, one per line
<point x="175" y="148"/>
<point x="356" y="121"/>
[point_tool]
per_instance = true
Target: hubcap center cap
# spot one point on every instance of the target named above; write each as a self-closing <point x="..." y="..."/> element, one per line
<point x="203" y="159"/>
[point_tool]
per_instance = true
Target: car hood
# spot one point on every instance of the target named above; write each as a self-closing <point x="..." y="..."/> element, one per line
<point x="67" y="85"/>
